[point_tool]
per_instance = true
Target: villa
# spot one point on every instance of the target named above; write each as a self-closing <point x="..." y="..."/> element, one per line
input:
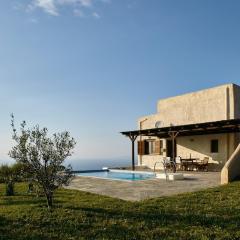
<point x="194" y="138"/>
<point x="201" y="127"/>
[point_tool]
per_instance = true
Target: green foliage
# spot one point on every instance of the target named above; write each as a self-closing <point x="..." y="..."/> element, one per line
<point x="5" y="173"/>
<point x="43" y="156"/>
<point x="9" y="174"/>
<point x="18" y="170"/>
<point x="14" y="172"/>
<point x="209" y="214"/>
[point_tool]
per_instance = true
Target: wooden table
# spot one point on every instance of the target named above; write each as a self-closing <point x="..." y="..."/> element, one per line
<point x="189" y="162"/>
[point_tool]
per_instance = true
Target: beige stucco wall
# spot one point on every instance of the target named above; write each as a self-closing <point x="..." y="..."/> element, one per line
<point x="200" y="147"/>
<point x="214" y="104"/>
<point x="203" y="106"/>
<point x="150" y="160"/>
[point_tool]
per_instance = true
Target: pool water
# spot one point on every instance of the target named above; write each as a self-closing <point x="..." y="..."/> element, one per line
<point x="118" y="175"/>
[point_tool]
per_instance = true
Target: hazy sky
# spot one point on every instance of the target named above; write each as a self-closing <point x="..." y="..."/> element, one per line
<point x="94" y="66"/>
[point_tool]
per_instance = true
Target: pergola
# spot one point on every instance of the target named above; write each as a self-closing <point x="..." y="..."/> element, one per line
<point x="216" y="127"/>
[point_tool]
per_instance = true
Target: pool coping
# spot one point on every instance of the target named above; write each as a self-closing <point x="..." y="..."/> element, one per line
<point x="126" y="171"/>
<point x="145" y="189"/>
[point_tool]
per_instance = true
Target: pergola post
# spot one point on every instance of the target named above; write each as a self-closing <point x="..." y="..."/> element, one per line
<point x="173" y="135"/>
<point x="133" y="138"/>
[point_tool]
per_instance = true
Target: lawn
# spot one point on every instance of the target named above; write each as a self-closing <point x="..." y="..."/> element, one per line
<point x="209" y="214"/>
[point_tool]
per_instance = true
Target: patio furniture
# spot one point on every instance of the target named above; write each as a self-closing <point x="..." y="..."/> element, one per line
<point x="203" y="164"/>
<point x="188" y="164"/>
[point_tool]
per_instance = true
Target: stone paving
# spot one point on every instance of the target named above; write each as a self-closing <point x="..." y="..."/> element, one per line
<point x="140" y="190"/>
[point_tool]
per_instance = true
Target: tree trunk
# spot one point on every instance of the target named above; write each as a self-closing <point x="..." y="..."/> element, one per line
<point x="10" y="188"/>
<point x="49" y="200"/>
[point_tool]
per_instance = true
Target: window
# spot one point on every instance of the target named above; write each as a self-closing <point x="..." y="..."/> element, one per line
<point x="152" y="147"/>
<point x="149" y="147"/>
<point x="214" y="146"/>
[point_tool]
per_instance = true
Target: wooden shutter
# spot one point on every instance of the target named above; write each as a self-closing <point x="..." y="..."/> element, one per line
<point x="141" y="147"/>
<point x="158" y="147"/>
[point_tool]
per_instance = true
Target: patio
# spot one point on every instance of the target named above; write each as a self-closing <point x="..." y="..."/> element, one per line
<point x="140" y="190"/>
<point x="174" y="132"/>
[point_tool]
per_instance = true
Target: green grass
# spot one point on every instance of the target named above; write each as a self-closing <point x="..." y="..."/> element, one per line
<point x="210" y="214"/>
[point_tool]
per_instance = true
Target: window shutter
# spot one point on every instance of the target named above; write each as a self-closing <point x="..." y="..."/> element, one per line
<point x="158" y="147"/>
<point x="141" y="148"/>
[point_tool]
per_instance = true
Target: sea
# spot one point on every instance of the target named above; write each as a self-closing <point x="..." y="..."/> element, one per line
<point x="97" y="164"/>
<point x="87" y="164"/>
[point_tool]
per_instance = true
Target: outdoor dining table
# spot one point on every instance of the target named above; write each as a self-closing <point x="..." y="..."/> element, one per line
<point x="186" y="163"/>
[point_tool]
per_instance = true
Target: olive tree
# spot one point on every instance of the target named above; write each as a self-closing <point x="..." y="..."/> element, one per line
<point x="43" y="156"/>
<point x="9" y="174"/>
<point x="6" y="176"/>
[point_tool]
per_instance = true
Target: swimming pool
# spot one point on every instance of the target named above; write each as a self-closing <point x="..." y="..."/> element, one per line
<point x="118" y="175"/>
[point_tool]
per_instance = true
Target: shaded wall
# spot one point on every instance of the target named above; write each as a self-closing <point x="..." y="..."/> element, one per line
<point x="200" y="147"/>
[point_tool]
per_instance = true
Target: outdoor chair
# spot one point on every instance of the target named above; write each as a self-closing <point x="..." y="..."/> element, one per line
<point x="203" y="165"/>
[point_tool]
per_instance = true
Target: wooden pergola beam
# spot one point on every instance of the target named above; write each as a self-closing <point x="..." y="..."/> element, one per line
<point x="224" y="126"/>
<point x="217" y="127"/>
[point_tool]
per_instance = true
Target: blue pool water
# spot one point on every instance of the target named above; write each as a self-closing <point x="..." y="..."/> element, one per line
<point x="118" y="175"/>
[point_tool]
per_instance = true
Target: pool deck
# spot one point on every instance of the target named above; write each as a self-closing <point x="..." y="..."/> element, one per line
<point x="140" y="190"/>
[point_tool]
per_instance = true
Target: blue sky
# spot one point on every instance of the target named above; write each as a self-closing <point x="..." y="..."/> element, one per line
<point x="94" y="66"/>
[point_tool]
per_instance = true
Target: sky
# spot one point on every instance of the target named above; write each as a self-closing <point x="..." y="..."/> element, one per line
<point x="93" y="67"/>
